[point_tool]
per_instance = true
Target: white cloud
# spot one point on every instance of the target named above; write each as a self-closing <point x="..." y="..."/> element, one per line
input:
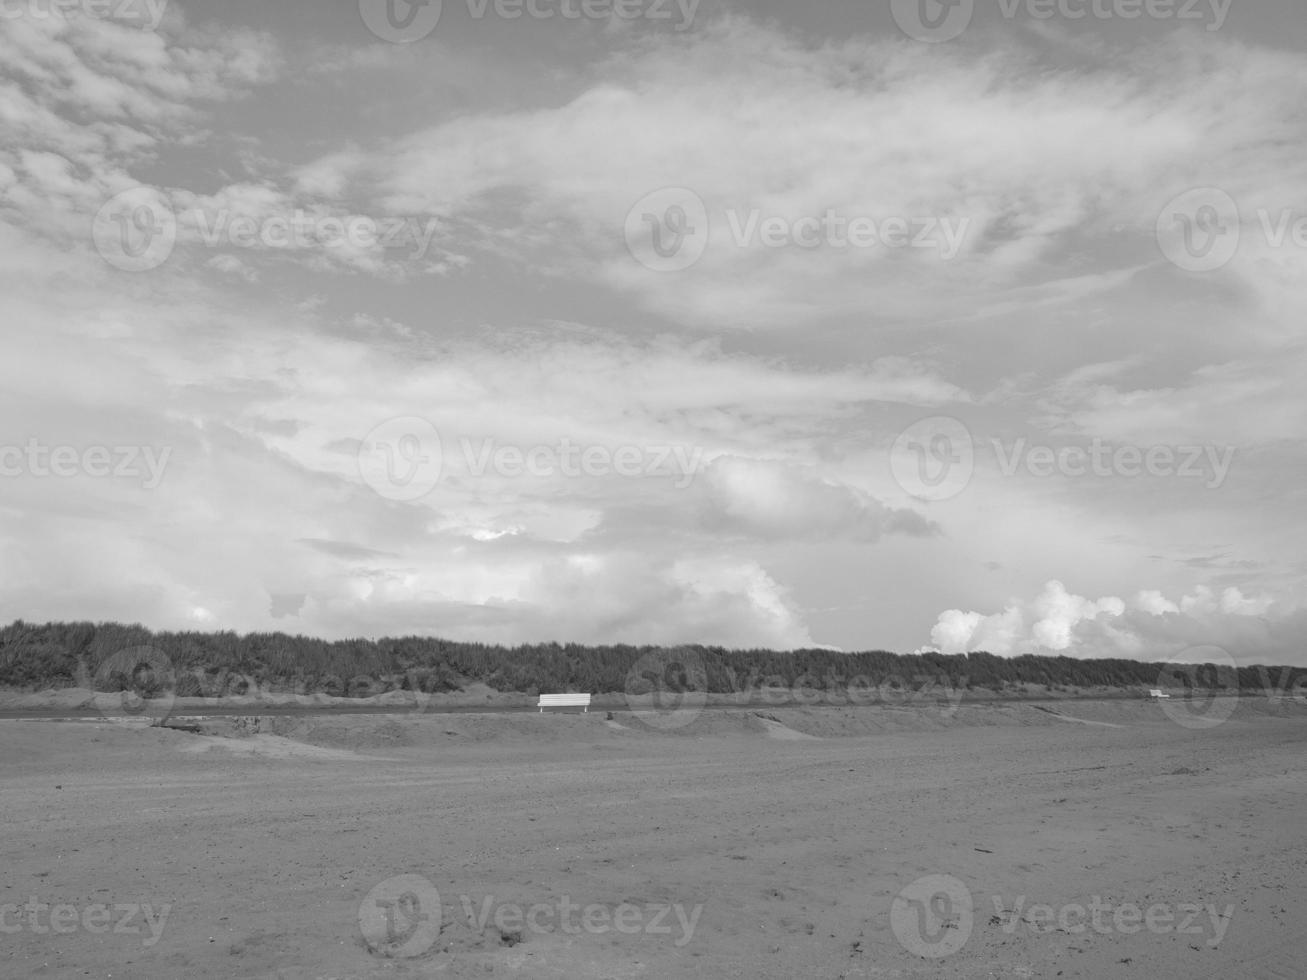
<point x="1150" y="627"/>
<point x="773" y="500"/>
<point x="748" y="118"/>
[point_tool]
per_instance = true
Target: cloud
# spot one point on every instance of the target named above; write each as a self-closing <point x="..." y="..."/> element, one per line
<point x="757" y="122"/>
<point x="1147" y="627"/>
<point x="264" y="420"/>
<point x="772" y="500"/>
<point x="583" y="598"/>
<point x="527" y="322"/>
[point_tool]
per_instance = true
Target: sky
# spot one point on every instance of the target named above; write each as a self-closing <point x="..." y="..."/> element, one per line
<point x="893" y="325"/>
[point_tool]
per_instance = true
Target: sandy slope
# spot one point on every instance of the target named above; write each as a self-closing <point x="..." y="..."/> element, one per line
<point x="267" y="842"/>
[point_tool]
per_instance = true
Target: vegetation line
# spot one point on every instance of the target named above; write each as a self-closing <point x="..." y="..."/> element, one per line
<point x="111" y="656"/>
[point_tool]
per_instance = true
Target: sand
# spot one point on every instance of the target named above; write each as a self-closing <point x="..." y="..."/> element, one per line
<point x="786" y="843"/>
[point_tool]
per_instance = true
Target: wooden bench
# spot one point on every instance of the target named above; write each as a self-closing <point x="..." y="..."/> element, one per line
<point x="564" y="701"/>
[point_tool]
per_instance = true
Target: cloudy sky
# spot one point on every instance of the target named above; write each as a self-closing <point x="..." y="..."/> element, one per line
<point x="863" y="325"/>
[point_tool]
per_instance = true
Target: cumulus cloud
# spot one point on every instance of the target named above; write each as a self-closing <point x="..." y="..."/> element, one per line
<point x="613" y="597"/>
<point x="1148" y="626"/>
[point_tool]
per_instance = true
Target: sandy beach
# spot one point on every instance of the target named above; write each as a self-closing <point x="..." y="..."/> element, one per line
<point x="1101" y="840"/>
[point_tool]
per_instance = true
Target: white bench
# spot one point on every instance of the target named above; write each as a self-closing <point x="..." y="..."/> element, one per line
<point x="1155" y="694"/>
<point x="564" y="701"/>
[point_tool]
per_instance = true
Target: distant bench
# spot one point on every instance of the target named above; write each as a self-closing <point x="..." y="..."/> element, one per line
<point x="564" y="701"/>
